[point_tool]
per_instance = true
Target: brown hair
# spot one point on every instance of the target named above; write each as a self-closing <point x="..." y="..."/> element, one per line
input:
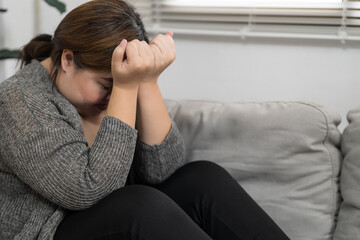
<point x="92" y="31"/>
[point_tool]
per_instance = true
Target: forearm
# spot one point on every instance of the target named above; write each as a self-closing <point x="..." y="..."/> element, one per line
<point x="122" y="103"/>
<point x="68" y="172"/>
<point x="143" y="64"/>
<point x="152" y="117"/>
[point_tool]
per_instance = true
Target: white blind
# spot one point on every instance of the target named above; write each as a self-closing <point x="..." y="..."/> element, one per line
<point x="289" y="19"/>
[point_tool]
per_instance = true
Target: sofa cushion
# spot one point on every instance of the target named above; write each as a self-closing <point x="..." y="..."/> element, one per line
<point x="285" y="154"/>
<point x="348" y="226"/>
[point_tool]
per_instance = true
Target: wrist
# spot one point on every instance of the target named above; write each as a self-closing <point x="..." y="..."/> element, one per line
<point x="152" y="84"/>
<point x="123" y="86"/>
<point x="147" y="89"/>
<point x="122" y="103"/>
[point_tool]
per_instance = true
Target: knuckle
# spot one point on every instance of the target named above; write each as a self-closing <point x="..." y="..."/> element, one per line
<point x="131" y="44"/>
<point x="149" y="64"/>
<point x="156" y="40"/>
<point x="117" y="50"/>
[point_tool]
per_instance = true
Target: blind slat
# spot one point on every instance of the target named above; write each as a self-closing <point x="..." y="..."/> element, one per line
<point x="256" y="11"/>
<point x="308" y="18"/>
<point x="258" y="19"/>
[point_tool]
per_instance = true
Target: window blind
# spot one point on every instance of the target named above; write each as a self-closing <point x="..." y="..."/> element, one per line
<point x="307" y="20"/>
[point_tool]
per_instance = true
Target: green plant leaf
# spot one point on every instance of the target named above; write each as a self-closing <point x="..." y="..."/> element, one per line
<point x="6" y="54"/>
<point x="60" y="6"/>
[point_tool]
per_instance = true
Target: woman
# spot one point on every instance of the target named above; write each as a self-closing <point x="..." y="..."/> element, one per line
<point x="88" y="150"/>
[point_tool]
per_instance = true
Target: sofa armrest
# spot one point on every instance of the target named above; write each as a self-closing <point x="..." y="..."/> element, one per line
<point x="348" y="226"/>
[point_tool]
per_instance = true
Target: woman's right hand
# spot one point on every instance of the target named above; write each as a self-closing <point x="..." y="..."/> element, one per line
<point x="144" y="62"/>
<point x="137" y="66"/>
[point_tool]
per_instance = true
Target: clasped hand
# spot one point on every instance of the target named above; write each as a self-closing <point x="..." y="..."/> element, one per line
<point x="144" y="62"/>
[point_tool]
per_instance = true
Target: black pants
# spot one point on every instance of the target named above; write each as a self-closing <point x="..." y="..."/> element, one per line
<point x="199" y="201"/>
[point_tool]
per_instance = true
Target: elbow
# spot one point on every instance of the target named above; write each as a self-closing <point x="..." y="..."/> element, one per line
<point x="81" y="199"/>
<point x="77" y="203"/>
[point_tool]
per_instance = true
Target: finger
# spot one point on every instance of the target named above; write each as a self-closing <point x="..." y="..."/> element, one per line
<point x="141" y="48"/>
<point x="132" y="51"/>
<point x="147" y="49"/>
<point x="168" y="37"/>
<point x="156" y="38"/>
<point x="164" y="48"/>
<point x="169" y="42"/>
<point x="156" y="50"/>
<point x="118" y="54"/>
<point x="165" y="43"/>
<point x="171" y="34"/>
<point x="158" y="42"/>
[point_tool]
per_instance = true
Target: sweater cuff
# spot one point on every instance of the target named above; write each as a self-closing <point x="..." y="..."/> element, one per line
<point x="115" y="132"/>
<point x="157" y="162"/>
<point x="170" y="140"/>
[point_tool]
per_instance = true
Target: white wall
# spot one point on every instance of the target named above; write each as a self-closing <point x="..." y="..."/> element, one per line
<point x="227" y="69"/>
<point x="17" y="27"/>
<point x="2" y="69"/>
<point x="24" y="20"/>
<point x="258" y="70"/>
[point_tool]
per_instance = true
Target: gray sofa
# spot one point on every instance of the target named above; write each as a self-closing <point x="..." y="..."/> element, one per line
<point x="287" y="155"/>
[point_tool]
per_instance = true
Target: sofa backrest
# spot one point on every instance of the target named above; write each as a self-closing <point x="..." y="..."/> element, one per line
<point x="285" y="154"/>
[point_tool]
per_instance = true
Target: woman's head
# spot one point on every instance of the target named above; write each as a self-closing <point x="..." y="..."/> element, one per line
<point x="91" y="31"/>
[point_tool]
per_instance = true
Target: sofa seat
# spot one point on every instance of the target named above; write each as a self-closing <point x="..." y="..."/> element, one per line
<point x="286" y="155"/>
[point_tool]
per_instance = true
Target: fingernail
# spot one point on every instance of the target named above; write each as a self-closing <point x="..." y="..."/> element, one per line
<point x="123" y="43"/>
<point x="171" y="34"/>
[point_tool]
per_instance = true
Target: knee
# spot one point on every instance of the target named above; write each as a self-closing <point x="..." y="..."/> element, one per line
<point x="205" y="165"/>
<point x="206" y="169"/>
<point x="206" y="174"/>
<point x="136" y="211"/>
<point x="138" y="202"/>
<point x="136" y="196"/>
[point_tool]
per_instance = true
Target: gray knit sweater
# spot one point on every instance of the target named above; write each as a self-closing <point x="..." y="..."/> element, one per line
<point x="46" y="165"/>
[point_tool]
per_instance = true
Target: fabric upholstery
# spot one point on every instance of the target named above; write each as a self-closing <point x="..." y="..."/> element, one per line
<point x="348" y="226"/>
<point x="285" y="154"/>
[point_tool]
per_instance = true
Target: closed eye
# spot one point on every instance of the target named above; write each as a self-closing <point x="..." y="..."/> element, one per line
<point x="105" y="87"/>
<point x="108" y="85"/>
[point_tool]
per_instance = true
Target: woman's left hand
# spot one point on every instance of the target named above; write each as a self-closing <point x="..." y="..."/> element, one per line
<point x="163" y="48"/>
<point x="153" y="120"/>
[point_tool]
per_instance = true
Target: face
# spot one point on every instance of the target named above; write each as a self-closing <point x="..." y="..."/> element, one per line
<point x="88" y="91"/>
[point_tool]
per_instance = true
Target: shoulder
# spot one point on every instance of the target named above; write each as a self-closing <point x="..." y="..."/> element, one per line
<point x="29" y="100"/>
<point x="31" y="80"/>
<point x="14" y="110"/>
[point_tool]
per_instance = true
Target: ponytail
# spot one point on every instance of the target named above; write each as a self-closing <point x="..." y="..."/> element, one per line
<point x="38" y="48"/>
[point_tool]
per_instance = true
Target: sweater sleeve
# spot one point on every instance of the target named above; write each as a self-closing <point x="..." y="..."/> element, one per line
<point x="42" y="143"/>
<point x="156" y="163"/>
<point x="58" y="164"/>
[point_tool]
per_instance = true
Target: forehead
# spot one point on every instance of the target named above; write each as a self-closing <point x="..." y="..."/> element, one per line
<point x="103" y="75"/>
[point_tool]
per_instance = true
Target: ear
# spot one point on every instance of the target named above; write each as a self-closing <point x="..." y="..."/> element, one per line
<point x="67" y="60"/>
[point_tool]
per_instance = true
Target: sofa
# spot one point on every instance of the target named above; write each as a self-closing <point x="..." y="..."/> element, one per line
<point x="286" y="155"/>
